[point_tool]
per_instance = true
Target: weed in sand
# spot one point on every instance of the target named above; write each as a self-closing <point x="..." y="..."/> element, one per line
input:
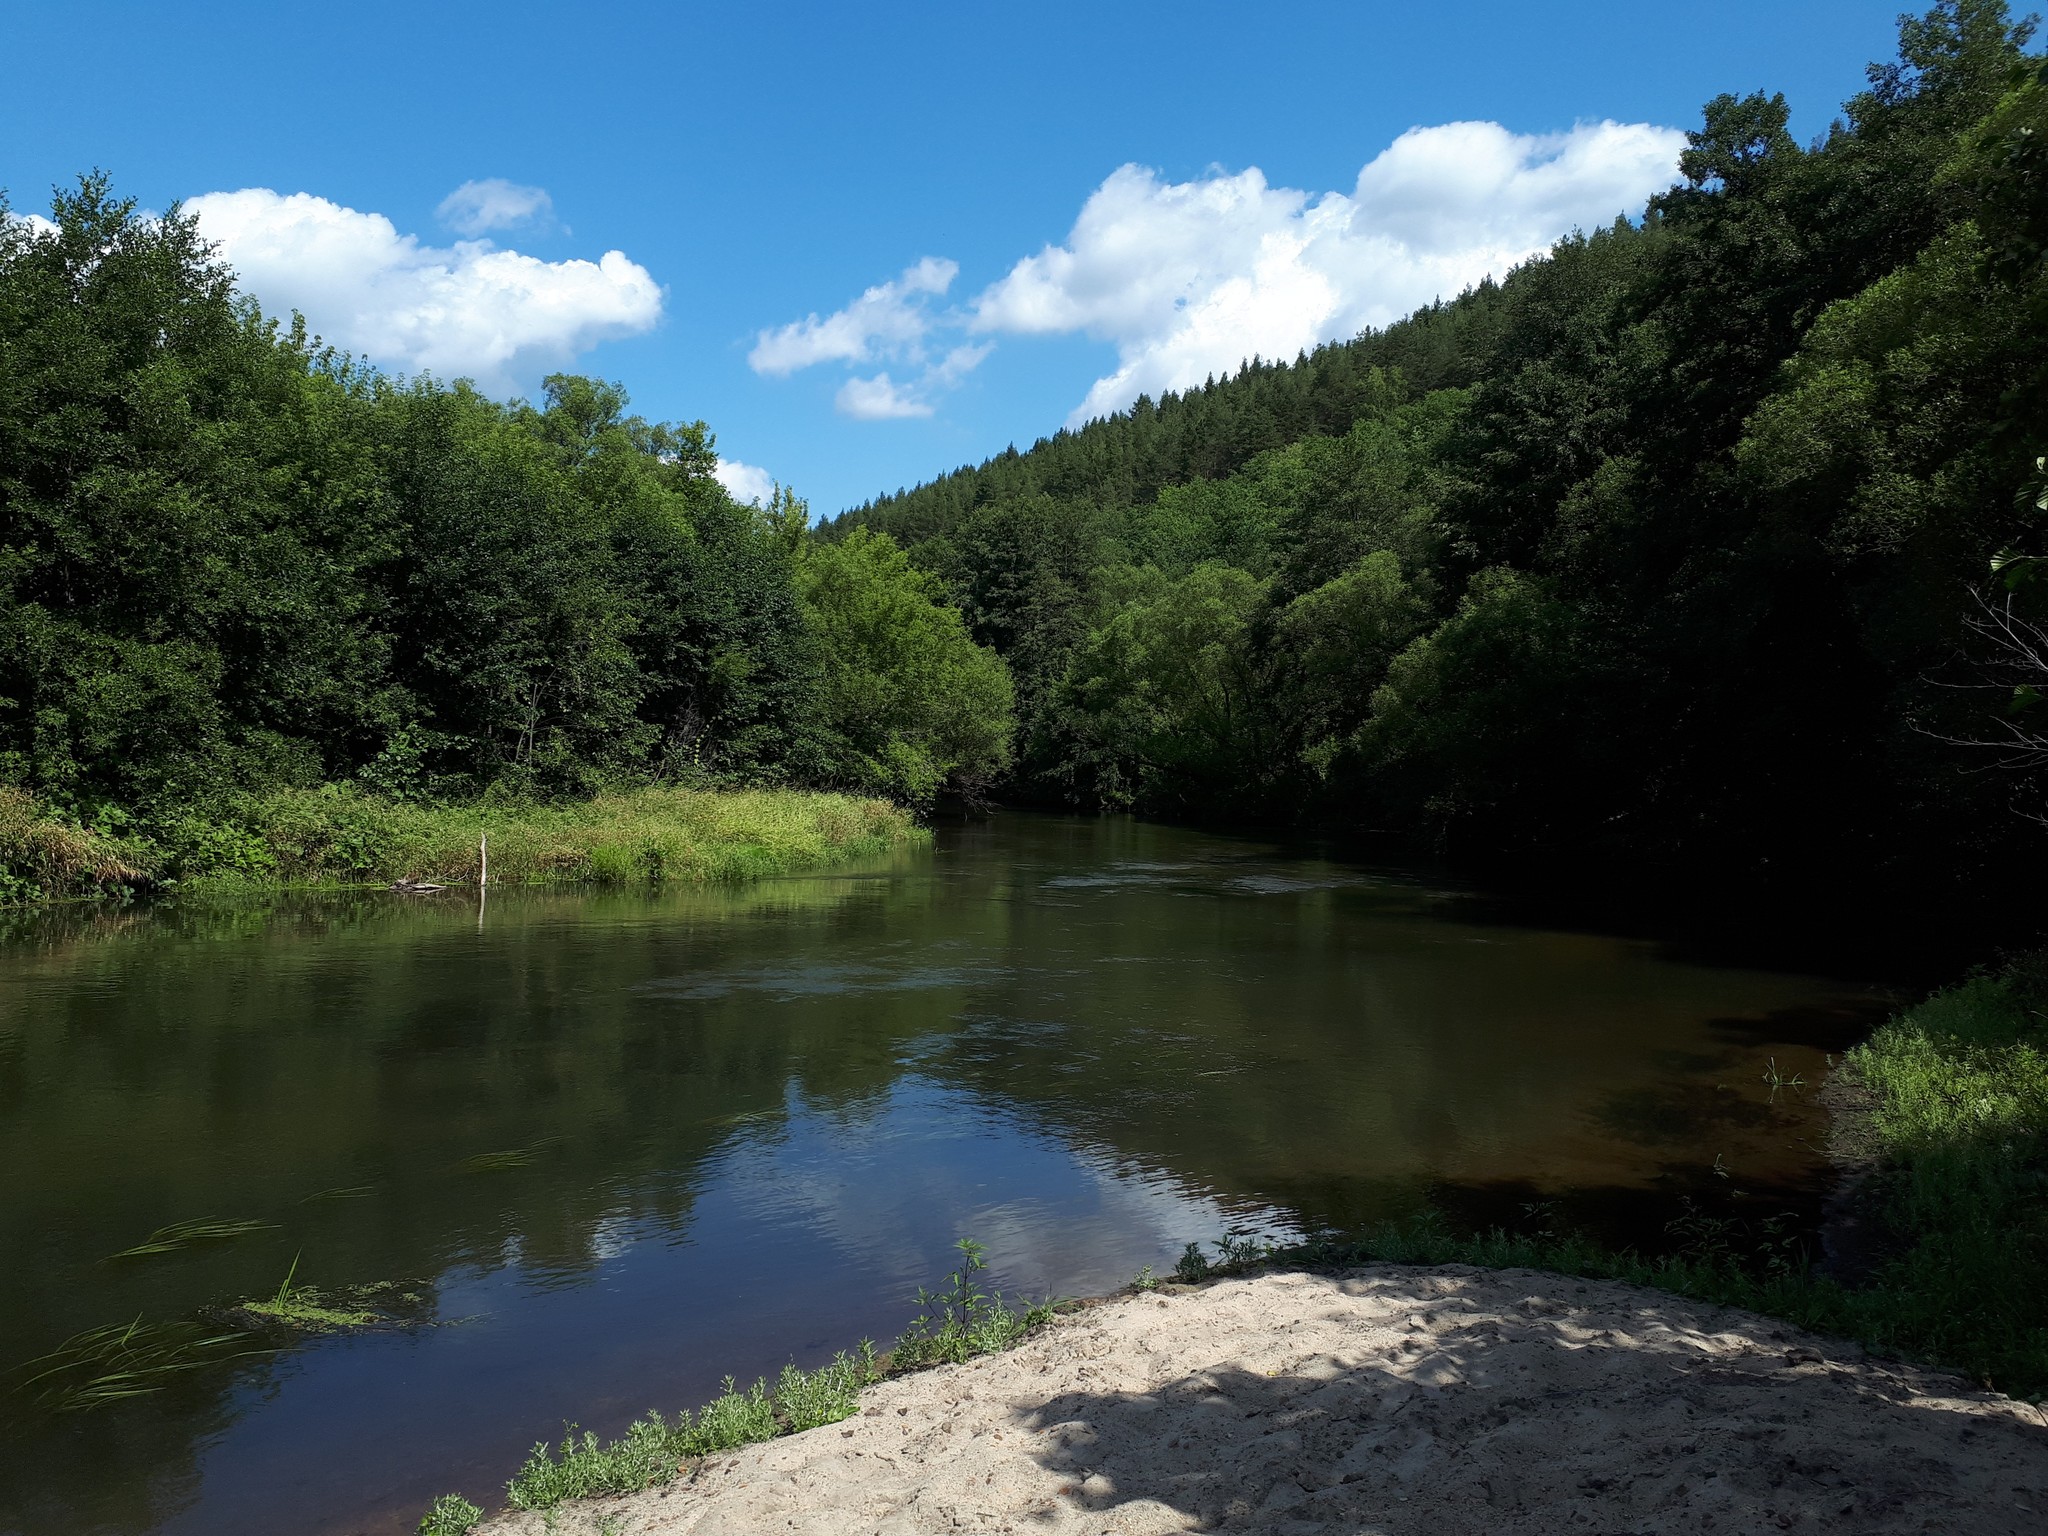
<point x="451" y="1515"/>
<point x="653" y="1448"/>
<point x="962" y="1320"/>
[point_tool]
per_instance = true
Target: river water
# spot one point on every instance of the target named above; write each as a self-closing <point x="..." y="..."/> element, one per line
<point x="622" y="1144"/>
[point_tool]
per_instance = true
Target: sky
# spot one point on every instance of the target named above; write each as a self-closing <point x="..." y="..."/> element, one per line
<point x="868" y="244"/>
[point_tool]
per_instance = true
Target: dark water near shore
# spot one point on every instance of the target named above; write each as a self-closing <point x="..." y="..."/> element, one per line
<point x="748" y="1124"/>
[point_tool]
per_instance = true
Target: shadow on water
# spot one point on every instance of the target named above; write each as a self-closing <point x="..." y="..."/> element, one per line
<point x="631" y="1141"/>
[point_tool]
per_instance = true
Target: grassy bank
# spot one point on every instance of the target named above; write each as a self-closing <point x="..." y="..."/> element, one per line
<point x="340" y="836"/>
<point x="952" y="1325"/>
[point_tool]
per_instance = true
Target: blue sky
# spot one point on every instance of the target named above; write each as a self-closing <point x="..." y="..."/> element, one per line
<point x="1048" y="207"/>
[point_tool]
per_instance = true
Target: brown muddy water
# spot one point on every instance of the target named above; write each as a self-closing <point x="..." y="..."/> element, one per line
<point x="618" y="1145"/>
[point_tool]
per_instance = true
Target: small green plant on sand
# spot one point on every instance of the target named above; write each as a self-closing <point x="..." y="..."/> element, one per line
<point x="1145" y="1280"/>
<point x="962" y="1321"/>
<point x="451" y="1515"/>
<point x="654" y="1448"/>
<point x="1192" y="1267"/>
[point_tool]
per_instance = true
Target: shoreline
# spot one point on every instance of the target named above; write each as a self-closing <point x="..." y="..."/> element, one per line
<point x="1425" y="1399"/>
<point x="337" y="838"/>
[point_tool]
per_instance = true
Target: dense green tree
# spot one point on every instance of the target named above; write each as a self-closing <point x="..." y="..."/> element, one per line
<point x="232" y="561"/>
<point x="909" y="705"/>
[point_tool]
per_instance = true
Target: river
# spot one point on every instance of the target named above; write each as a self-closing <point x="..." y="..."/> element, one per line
<point x="620" y="1144"/>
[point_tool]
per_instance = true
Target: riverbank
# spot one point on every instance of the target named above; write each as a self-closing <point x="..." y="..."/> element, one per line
<point x="338" y="836"/>
<point x="1944" y="1113"/>
<point x="1398" y="1399"/>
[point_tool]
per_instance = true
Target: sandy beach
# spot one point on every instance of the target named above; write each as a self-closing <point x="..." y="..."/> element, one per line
<point x="1385" y="1400"/>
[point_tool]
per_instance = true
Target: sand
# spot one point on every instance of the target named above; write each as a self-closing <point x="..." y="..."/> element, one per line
<point x="1389" y="1399"/>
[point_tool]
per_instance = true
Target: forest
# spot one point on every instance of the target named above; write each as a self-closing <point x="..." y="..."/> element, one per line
<point x="1702" y="552"/>
<point x="236" y="565"/>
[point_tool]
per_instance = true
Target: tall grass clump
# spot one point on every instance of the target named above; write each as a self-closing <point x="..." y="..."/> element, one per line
<point x="45" y="858"/>
<point x="645" y="836"/>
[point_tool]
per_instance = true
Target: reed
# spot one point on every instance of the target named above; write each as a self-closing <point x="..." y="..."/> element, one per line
<point x="45" y="858"/>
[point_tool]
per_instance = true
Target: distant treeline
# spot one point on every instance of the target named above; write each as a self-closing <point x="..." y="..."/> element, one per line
<point x="234" y="563"/>
<point x="1672" y="553"/>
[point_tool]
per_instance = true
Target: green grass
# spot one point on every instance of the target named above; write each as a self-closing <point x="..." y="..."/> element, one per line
<point x="46" y="858"/>
<point x="103" y="1366"/>
<point x="180" y="1235"/>
<point x="655" y="1448"/>
<point x="961" y="1321"/>
<point x="953" y="1324"/>
<point x="338" y="835"/>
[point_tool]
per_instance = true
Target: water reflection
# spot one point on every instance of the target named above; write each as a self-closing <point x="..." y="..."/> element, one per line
<point x="631" y="1142"/>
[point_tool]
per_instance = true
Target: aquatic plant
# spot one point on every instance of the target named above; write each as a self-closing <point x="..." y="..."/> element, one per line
<point x="306" y="1310"/>
<point x="1778" y="1080"/>
<point x="515" y="1157"/>
<point x="107" y="1365"/>
<point x="181" y="1235"/>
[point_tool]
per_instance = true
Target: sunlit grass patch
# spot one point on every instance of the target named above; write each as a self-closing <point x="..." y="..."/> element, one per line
<point x="648" y="836"/>
<point x="955" y="1323"/>
<point x="654" y="1448"/>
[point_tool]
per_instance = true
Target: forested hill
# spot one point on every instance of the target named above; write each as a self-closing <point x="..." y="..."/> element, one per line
<point x="1210" y="433"/>
<point x="1667" y="556"/>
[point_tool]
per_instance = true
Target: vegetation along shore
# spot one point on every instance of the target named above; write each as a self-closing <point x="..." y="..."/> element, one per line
<point x="1700" y="562"/>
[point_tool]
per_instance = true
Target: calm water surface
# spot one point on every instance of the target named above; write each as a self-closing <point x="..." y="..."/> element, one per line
<point x="745" y="1125"/>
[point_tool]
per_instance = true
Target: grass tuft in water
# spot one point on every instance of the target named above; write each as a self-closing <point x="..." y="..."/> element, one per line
<point x="181" y="1235"/>
<point x="302" y="1309"/>
<point x="513" y="1157"/>
<point x="108" y="1365"/>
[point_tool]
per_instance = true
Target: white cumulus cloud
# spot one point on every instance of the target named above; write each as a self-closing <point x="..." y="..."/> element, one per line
<point x="888" y="320"/>
<point x="497" y="316"/>
<point x="1189" y="279"/>
<point x="880" y="398"/>
<point x="478" y="207"/>
<point x="744" y="482"/>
